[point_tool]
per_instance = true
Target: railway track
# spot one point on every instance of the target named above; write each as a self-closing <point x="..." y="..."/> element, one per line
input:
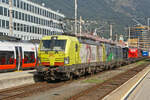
<point x="99" y="91"/>
<point x="29" y="90"/>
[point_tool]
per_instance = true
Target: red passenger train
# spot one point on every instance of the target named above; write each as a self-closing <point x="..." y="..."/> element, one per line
<point x="17" y="56"/>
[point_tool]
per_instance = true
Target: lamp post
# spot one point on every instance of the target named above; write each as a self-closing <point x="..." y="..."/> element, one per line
<point x="110" y="31"/>
<point x="129" y="35"/>
<point x="80" y="25"/>
<point x="10" y="18"/>
<point x="76" y="6"/>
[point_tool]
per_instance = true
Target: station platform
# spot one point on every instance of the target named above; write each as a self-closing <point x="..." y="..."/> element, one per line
<point x="13" y="79"/>
<point x="142" y="91"/>
<point x="137" y="88"/>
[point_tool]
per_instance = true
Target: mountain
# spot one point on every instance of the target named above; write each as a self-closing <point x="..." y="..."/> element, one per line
<point x="118" y="12"/>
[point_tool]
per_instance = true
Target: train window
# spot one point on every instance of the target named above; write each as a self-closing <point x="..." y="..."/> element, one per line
<point x="29" y="57"/>
<point x="53" y="45"/>
<point x="6" y="57"/>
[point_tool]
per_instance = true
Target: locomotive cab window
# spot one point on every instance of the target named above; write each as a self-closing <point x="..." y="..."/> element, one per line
<point x="6" y="57"/>
<point x="29" y="57"/>
<point x="53" y="45"/>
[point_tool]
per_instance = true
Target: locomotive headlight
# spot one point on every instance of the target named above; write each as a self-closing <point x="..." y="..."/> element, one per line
<point x="66" y="60"/>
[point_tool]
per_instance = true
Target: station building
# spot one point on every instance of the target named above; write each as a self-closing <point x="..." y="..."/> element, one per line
<point x="29" y="20"/>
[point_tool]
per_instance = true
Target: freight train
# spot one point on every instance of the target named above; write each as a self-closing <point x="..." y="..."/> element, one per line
<point x="63" y="52"/>
<point x="17" y="55"/>
<point x="64" y="57"/>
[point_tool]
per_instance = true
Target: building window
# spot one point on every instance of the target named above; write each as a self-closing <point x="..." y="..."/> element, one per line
<point x="13" y="14"/>
<point x="38" y="10"/>
<point x="29" y="18"/>
<point x="33" y="29"/>
<point x="26" y="17"/>
<point x="24" y="6"/>
<point x="1" y="10"/>
<point x="32" y="19"/>
<point x="27" y="28"/>
<point x="23" y="16"/>
<point x="47" y="13"/>
<point x="30" y="8"/>
<point x="7" y="24"/>
<point x="7" y="1"/>
<point x="37" y="20"/>
<point x="18" y="25"/>
<point x="8" y="13"/>
<point x="5" y="11"/>
<point x="19" y="15"/>
<point x="40" y="31"/>
<point x="36" y="30"/>
<point x="52" y="16"/>
<point x="21" y="27"/>
<point x="3" y="1"/>
<point x="3" y="23"/>
<point x="18" y="1"/>
<point x="14" y="26"/>
<point x="30" y="29"/>
<point x="21" y="5"/>
<point x="43" y="22"/>
<point x="14" y="3"/>
<point x="27" y="6"/>
<point x="40" y="21"/>
<point x="42" y="12"/>
<point x="16" y="14"/>
<point x="0" y="23"/>
<point x="47" y="32"/>
<point x="33" y="9"/>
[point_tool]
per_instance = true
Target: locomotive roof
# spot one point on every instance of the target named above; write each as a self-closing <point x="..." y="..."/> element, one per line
<point x="62" y="36"/>
<point x="87" y="38"/>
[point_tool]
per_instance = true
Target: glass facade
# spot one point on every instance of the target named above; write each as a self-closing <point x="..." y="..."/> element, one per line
<point x="30" y="20"/>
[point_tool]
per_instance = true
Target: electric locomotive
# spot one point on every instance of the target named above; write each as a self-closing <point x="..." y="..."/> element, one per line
<point x="134" y="53"/>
